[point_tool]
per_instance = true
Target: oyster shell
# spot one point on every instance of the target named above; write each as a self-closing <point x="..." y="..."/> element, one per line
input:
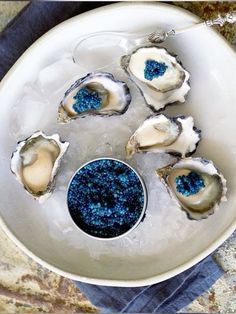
<point x="177" y="136"/>
<point x="97" y="93"/>
<point x="196" y="184"/>
<point x="160" y="77"/>
<point x="36" y="162"/>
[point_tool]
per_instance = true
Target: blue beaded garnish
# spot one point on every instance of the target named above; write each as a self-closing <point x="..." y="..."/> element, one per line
<point x="105" y="198"/>
<point x="86" y="99"/>
<point x="154" y="69"/>
<point x="189" y="184"/>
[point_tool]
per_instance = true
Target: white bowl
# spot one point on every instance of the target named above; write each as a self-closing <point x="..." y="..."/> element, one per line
<point x="211" y="101"/>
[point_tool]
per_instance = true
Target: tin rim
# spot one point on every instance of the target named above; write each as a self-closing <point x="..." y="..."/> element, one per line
<point x="142" y="213"/>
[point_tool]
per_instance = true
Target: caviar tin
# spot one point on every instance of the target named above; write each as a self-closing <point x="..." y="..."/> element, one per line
<point x="75" y="213"/>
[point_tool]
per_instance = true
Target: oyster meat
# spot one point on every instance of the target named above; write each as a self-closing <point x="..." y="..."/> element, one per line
<point x="196" y="184"/>
<point x="159" y="76"/>
<point x="97" y="93"/>
<point x="161" y="134"/>
<point x="36" y="162"/>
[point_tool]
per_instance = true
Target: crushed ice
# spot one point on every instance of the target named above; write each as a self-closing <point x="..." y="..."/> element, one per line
<point x="93" y="137"/>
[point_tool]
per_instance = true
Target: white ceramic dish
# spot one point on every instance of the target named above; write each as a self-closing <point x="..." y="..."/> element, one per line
<point x="212" y="99"/>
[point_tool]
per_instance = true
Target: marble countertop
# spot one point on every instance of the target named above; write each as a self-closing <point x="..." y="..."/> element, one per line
<point x="27" y="287"/>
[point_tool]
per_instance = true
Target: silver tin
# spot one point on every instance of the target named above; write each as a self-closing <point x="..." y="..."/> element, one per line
<point x="142" y="214"/>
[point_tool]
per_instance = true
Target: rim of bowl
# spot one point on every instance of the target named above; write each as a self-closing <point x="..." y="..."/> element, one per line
<point x="142" y="213"/>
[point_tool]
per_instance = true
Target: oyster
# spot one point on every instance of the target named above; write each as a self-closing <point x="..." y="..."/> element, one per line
<point x="159" y="133"/>
<point x="36" y="162"/>
<point x="97" y="93"/>
<point x="196" y="184"/>
<point x="160" y="77"/>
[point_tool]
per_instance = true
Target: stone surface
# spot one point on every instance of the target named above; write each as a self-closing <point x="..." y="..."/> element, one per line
<point x="26" y="287"/>
<point x="8" y="10"/>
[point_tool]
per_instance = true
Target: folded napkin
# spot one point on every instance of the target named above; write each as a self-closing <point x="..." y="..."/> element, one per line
<point x="166" y="297"/>
<point x="169" y="296"/>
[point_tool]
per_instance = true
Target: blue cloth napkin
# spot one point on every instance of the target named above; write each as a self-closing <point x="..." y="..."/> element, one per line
<point x="168" y="296"/>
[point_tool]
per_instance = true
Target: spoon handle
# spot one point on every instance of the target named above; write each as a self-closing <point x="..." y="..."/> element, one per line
<point x="221" y="20"/>
<point x="160" y="36"/>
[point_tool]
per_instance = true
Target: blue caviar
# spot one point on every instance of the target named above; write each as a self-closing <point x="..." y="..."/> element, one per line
<point x="86" y="99"/>
<point x="189" y="184"/>
<point x="105" y="198"/>
<point x="154" y="69"/>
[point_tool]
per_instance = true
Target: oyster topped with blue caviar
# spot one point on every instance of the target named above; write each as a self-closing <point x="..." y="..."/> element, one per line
<point x="161" y="134"/>
<point x="160" y="77"/>
<point x="36" y="162"/>
<point x="196" y="184"/>
<point x="98" y="93"/>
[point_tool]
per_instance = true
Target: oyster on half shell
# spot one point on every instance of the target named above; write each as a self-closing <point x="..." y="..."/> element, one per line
<point x="98" y="93"/>
<point x="196" y="184"/>
<point x="159" y="76"/>
<point x="36" y="162"/>
<point x="161" y="134"/>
